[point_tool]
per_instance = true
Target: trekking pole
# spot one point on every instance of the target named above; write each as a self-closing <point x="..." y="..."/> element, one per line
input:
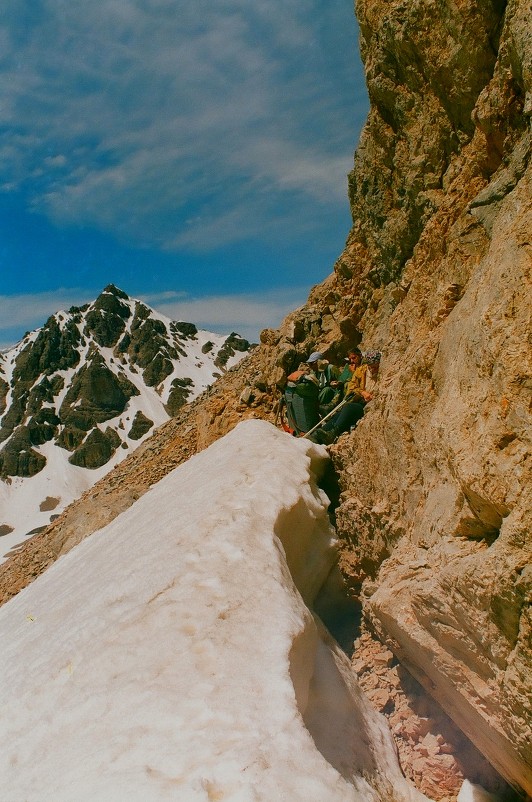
<point x="327" y="416"/>
<point x="278" y="412"/>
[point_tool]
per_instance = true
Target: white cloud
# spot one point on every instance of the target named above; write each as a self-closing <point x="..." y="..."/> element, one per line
<point x="245" y="314"/>
<point x="30" y="311"/>
<point x="131" y="115"/>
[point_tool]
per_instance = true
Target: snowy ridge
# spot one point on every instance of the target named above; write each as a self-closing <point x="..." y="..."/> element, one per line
<point x="173" y="654"/>
<point x="152" y="364"/>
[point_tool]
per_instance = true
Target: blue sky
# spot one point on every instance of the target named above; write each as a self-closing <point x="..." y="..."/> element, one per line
<point x="193" y="152"/>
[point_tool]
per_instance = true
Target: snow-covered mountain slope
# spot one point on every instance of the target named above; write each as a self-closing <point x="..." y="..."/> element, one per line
<point x="78" y="394"/>
<point x="173" y="655"/>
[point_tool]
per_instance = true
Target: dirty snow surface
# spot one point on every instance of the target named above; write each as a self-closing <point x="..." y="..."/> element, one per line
<point x="173" y="655"/>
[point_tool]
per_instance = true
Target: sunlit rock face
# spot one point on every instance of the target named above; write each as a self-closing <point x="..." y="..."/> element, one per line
<point x="174" y="654"/>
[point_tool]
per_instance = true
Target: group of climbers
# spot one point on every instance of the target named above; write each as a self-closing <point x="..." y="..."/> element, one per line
<point x="323" y="401"/>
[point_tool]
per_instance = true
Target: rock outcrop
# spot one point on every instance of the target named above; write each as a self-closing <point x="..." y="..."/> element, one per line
<point x="84" y="390"/>
<point x="83" y="368"/>
<point x="434" y="511"/>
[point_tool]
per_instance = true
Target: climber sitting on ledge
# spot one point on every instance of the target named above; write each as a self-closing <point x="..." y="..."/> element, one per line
<point x="359" y="391"/>
<point x="372" y="360"/>
<point x="302" y="396"/>
<point x="330" y="388"/>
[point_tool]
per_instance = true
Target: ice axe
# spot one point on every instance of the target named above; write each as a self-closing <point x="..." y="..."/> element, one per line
<point x="327" y="416"/>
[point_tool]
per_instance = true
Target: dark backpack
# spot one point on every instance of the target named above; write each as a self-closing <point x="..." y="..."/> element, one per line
<point x="301" y="396"/>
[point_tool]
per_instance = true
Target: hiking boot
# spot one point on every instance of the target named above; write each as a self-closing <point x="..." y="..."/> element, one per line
<point x="324" y="437"/>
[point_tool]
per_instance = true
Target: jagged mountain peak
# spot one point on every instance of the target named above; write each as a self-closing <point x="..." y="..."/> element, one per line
<point x="92" y="382"/>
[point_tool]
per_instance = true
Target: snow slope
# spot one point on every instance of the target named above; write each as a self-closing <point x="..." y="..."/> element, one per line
<point x="173" y="656"/>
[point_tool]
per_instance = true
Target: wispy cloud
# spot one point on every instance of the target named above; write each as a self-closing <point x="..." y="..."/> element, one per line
<point x="30" y="311"/>
<point x="175" y="123"/>
<point x="26" y="312"/>
<point x="245" y="314"/>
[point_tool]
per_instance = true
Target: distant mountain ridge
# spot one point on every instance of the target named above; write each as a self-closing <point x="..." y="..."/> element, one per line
<point x="94" y="381"/>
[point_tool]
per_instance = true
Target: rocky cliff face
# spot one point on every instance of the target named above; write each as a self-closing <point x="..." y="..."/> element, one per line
<point x="434" y="511"/>
<point x="436" y="480"/>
